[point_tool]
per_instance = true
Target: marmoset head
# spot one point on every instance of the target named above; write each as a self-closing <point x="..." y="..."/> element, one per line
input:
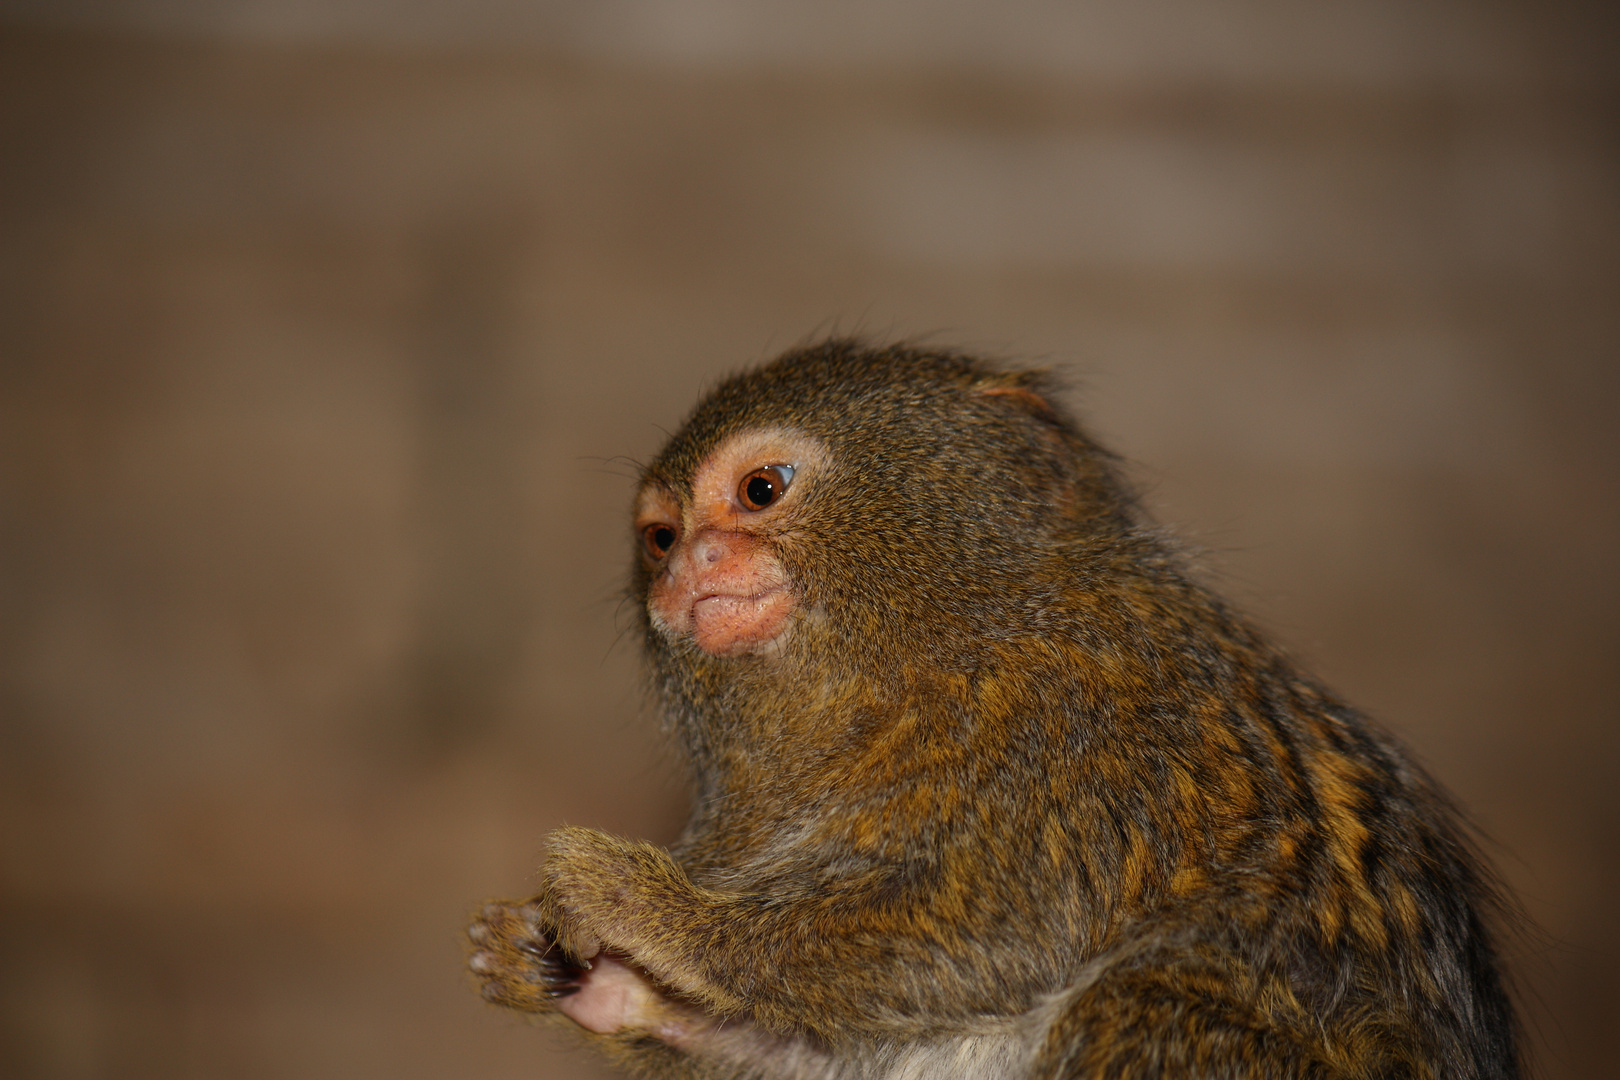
<point x="871" y="492"/>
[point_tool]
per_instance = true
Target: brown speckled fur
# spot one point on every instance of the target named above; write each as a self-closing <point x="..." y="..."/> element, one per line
<point x="1020" y="778"/>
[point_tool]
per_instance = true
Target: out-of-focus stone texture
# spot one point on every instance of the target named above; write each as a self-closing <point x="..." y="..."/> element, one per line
<point x="328" y="342"/>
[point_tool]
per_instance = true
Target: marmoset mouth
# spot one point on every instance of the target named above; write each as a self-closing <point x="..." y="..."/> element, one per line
<point x="725" y="624"/>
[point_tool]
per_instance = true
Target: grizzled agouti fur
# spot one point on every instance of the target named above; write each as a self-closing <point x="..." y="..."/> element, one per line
<point x="986" y="785"/>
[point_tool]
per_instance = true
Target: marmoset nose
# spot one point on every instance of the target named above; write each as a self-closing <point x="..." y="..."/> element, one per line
<point x="710" y="547"/>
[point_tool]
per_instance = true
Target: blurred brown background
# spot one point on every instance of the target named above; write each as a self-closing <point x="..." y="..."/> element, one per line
<point x="326" y="330"/>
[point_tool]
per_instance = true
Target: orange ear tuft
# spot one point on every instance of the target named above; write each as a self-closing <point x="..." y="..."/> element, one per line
<point x="1014" y="387"/>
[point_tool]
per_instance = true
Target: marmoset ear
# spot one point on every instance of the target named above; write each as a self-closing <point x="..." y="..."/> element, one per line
<point x="1018" y="389"/>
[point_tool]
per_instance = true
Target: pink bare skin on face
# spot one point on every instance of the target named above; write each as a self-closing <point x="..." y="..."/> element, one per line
<point x="725" y="590"/>
<point x="719" y="581"/>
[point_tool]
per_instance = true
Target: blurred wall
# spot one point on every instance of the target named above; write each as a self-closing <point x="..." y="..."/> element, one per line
<point x="329" y="339"/>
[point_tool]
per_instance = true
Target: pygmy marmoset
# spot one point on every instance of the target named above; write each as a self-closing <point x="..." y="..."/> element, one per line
<point x="985" y="784"/>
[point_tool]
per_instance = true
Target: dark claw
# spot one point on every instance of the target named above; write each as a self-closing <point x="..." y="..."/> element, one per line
<point x="553" y="969"/>
<point x="558" y="974"/>
<point x="540" y="968"/>
<point x="536" y="948"/>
